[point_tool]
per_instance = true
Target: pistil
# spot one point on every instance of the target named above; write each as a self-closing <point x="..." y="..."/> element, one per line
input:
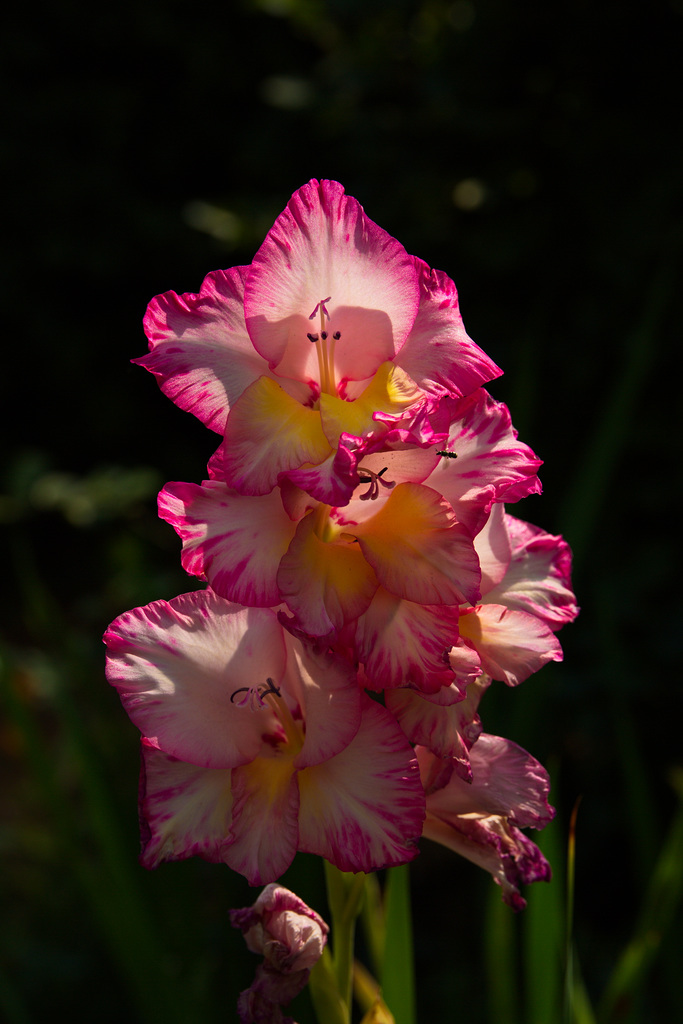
<point x="292" y="731"/>
<point x="325" y="347"/>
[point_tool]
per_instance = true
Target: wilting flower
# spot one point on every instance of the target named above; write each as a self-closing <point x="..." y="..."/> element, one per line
<point x="332" y="341"/>
<point x="255" y="746"/>
<point x="291" y="937"/>
<point x="481" y="819"/>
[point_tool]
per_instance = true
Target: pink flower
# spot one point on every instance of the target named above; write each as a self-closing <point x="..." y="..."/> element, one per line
<point x="255" y="746"/>
<point x="331" y="340"/>
<point x="290" y="937"/>
<point x="481" y="819"/>
<point x="526" y="598"/>
<point x="390" y="567"/>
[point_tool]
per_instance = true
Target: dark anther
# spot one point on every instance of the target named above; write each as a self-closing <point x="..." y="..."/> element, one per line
<point x="337" y="335"/>
<point x="257" y="692"/>
<point x="448" y="455"/>
<point x="323" y="335"/>
<point x="272" y="688"/>
<point x="312" y="337"/>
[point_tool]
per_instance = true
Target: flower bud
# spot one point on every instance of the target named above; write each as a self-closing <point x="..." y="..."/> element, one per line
<point x="290" y="937"/>
<point x="283" y="929"/>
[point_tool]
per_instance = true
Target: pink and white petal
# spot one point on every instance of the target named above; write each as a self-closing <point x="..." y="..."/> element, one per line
<point x="295" y="501"/>
<point x="324" y="245"/>
<point x="439" y="355"/>
<point x="506" y="780"/>
<point x="512" y="645"/>
<point x="418" y="427"/>
<point x="200" y="351"/>
<point x="268" y="432"/>
<point x="465" y="664"/>
<point x="448" y="730"/>
<point x="185" y="810"/>
<point x="234" y="541"/>
<point x="538" y="578"/>
<point x="215" y="469"/>
<point x="401" y="642"/>
<point x="264" y="815"/>
<point x="493" y="844"/>
<point x="324" y="584"/>
<point x="492" y="545"/>
<point x="418" y="550"/>
<point x="491" y="464"/>
<point x="333" y="481"/>
<point x="176" y="664"/>
<point x="363" y="810"/>
<point x="325" y="688"/>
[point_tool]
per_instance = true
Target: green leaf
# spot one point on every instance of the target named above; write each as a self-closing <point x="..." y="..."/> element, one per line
<point x="543" y="927"/>
<point x="500" y="953"/>
<point x="657" y="912"/>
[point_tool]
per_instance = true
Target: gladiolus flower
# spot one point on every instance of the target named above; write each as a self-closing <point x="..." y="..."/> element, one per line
<point x="481" y="819"/>
<point x="332" y="338"/>
<point x="526" y="598"/>
<point x="254" y="745"/>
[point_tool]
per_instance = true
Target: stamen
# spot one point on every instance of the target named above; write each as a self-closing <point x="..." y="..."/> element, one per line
<point x="337" y="335"/>
<point x="374" y="479"/>
<point x="325" y="355"/>
<point x="254" y="695"/>
<point x="272" y="688"/>
<point x="258" y="698"/>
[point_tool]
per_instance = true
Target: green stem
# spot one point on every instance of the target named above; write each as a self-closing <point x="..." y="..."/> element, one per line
<point x="344" y="895"/>
<point x="374" y="923"/>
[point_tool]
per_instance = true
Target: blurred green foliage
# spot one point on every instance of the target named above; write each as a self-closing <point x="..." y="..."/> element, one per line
<point x="529" y="151"/>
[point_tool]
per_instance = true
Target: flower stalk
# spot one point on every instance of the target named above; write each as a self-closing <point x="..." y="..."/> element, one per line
<point x="353" y="541"/>
<point x="345" y="896"/>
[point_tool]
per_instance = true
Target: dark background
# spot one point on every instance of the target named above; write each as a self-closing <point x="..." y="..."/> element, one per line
<point x="532" y="151"/>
